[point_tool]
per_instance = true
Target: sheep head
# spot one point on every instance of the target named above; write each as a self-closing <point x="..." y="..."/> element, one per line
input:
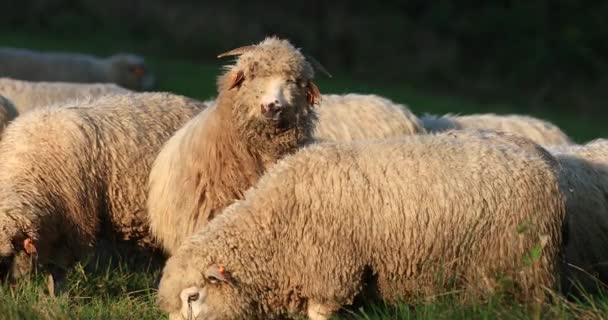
<point x="186" y="293"/>
<point x="130" y="71"/>
<point x="271" y="92"/>
<point x="18" y="251"/>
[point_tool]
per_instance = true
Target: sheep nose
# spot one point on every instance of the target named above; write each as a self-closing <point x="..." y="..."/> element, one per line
<point x="271" y="110"/>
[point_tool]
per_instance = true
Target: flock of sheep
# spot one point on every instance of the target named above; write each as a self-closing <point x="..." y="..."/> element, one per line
<point x="274" y="200"/>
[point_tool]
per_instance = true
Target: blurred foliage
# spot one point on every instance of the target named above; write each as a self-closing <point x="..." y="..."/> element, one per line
<point x="537" y="52"/>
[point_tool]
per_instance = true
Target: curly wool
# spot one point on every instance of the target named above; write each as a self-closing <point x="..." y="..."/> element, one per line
<point x="321" y="220"/>
<point x="538" y="130"/>
<point x="216" y="156"/>
<point x="70" y="174"/>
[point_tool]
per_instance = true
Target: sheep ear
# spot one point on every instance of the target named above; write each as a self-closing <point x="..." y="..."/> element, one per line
<point x="217" y="273"/>
<point x="313" y="95"/>
<point x="29" y="247"/>
<point x="237" y="79"/>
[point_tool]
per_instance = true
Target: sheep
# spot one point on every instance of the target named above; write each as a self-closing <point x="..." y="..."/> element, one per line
<point x="540" y="131"/>
<point x="355" y="116"/>
<point x="76" y="172"/>
<point x="28" y="95"/>
<point x="263" y="112"/>
<point x="416" y="216"/>
<point x="584" y="176"/>
<point x="350" y="117"/>
<point x="124" y="69"/>
<point x="8" y="112"/>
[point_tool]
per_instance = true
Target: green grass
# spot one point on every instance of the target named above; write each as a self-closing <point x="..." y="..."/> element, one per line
<point x="119" y="294"/>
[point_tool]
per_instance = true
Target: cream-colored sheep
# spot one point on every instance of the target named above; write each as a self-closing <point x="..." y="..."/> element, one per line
<point x="540" y="131"/>
<point x="28" y="95"/>
<point x="264" y="111"/>
<point x="72" y="173"/>
<point x="7" y="112"/>
<point x="350" y="117"/>
<point x="124" y="69"/>
<point x="417" y="216"/>
<point x="585" y="181"/>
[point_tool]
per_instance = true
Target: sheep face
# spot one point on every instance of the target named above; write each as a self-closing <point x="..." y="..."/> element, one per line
<point x="275" y="101"/>
<point x="271" y="93"/>
<point x="216" y="297"/>
<point x="18" y="253"/>
<point x="130" y="71"/>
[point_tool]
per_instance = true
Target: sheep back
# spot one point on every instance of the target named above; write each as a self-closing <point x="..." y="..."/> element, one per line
<point x="540" y="131"/>
<point x="350" y="117"/>
<point x="28" y="95"/>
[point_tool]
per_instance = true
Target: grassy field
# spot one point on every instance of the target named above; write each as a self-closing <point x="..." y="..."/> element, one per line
<point x="116" y="293"/>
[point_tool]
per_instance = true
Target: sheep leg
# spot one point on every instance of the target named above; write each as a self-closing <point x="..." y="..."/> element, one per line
<point x="319" y="311"/>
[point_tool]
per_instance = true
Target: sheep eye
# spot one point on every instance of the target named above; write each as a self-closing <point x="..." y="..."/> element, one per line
<point x="193" y="297"/>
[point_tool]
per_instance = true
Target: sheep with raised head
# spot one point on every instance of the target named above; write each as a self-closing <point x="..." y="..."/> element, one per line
<point x="124" y="69"/>
<point x="540" y="131"/>
<point x="584" y="172"/>
<point x="395" y="213"/>
<point x="72" y="173"/>
<point x="28" y="95"/>
<point x="8" y="112"/>
<point x="263" y="112"/>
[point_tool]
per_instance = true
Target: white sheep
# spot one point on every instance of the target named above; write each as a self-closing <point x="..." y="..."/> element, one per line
<point x="417" y="217"/>
<point x="124" y="69"/>
<point x="540" y="131"/>
<point x="263" y="112"/>
<point x="70" y="174"/>
<point x="352" y="116"/>
<point x="28" y="95"/>
<point x="584" y="172"/>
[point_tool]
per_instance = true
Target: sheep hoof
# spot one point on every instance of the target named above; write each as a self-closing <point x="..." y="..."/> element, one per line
<point x="318" y="311"/>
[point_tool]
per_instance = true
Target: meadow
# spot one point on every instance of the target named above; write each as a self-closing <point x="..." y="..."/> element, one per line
<point x="117" y="293"/>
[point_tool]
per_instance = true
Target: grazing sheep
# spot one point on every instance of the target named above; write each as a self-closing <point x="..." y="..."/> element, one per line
<point x="540" y="131"/>
<point x="70" y="174"/>
<point x="585" y="181"/>
<point x="416" y="216"/>
<point x="28" y="95"/>
<point x="264" y="111"/>
<point x="7" y="112"/>
<point x="353" y="116"/>
<point x="124" y="69"/>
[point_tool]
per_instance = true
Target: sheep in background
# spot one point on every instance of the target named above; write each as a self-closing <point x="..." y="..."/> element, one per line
<point x="585" y="181"/>
<point x="126" y="70"/>
<point x="72" y="173"/>
<point x="263" y="112"/>
<point x="28" y="95"/>
<point x="540" y="131"/>
<point x="8" y="112"/>
<point x="397" y="213"/>
<point x="353" y="116"/>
